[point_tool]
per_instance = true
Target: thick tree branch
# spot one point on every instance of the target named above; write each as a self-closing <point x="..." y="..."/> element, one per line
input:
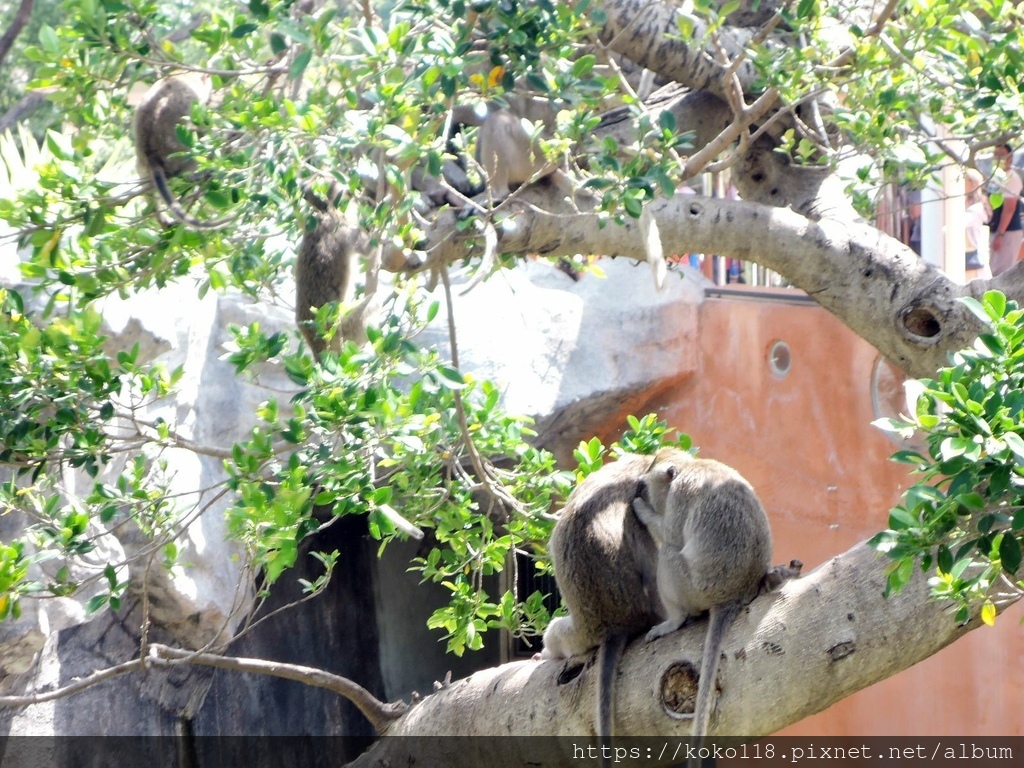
<point x="648" y="33"/>
<point x="905" y="307"/>
<point x="794" y="652"/>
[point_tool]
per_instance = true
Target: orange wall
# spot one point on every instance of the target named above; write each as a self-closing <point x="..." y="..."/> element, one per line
<point x="806" y="443"/>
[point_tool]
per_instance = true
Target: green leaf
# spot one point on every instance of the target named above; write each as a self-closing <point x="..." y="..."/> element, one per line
<point x="1015" y="444"/>
<point x="48" y="39"/>
<point x="95" y="603"/>
<point x="995" y="302"/>
<point x="976" y="309"/>
<point x="1010" y="553"/>
<point x="583" y="65"/>
<point x="944" y="559"/>
<point x="900" y="519"/>
<point x="299" y="64"/>
<point x="450" y="377"/>
<point x="806" y="8"/>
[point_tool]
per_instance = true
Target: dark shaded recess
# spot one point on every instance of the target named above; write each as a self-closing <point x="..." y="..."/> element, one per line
<point x="336" y="632"/>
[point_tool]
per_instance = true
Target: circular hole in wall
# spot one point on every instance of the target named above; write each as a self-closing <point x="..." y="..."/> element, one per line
<point x="780" y="358"/>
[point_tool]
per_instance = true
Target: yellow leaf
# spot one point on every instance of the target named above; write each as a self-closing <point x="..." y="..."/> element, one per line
<point x="988" y="614"/>
<point x="494" y="78"/>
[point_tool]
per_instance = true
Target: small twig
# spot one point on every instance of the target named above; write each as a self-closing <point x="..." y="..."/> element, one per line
<point x="696" y="162"/>
<point x="72" y="688"/>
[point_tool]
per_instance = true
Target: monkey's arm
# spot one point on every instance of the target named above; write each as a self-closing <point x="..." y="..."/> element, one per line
<point x="650" y="519"/>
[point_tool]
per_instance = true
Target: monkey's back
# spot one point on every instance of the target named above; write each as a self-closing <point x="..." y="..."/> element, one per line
<point x="722" y="508"/>
<point x="159" y="112"/>
<point x="604" y="558"/>
<point x="322" y="270"/>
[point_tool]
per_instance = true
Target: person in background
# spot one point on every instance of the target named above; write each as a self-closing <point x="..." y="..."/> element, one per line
<point x="914" y="215"/>
<point x="1005" y="224"/>
<point x="977" y="214"/>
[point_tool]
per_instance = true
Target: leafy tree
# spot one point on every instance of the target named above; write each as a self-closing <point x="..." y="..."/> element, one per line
<point x="812" y="108"/>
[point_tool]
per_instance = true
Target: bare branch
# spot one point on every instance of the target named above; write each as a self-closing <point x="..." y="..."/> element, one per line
<point x="20" y="20"/>
<point x="698" y="161"/>
<point x="73" y="688"/>
<point x="380" y="715"/>
<point x="26" y="105"/>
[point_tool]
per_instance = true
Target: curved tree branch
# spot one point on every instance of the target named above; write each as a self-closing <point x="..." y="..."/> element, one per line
<point x="72" y="688"/>
<point x="877" y="286"/>
<point x="647" y="33"/>
<point x="792" y="653"/>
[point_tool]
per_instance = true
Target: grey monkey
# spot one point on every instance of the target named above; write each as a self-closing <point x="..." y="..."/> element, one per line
<point x="714" y="550"/>
<point x="324" y="270"/>
<point x="159" y="154"/>
<point x="505" y="148"/>
<point x="604" y="561"/>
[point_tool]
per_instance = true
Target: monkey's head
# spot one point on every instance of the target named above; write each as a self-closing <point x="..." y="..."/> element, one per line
<point x="654" y="485"/>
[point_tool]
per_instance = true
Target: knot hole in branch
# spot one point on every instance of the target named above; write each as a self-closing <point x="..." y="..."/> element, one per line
<point x="679" y="689"/>
<point x="921" y="323"/>
<point x="695" y="210"/>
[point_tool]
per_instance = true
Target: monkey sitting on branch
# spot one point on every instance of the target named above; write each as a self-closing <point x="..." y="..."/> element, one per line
<point x="714" y="553"/>
<point x="509" y="156"/>
<point x="609" y="550"/>
<point x="605" y="563"/>
<point x="506" y="147"/>
<point x="159" y="153"/>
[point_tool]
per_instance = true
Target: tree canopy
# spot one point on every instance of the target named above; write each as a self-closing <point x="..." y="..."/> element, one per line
<point x="811" y="109"/>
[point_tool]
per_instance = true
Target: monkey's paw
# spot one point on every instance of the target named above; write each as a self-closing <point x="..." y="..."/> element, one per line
<point x="660" y="630"/>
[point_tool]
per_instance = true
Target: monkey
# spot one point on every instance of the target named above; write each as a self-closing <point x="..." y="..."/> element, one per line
<point x="714" y="549"/>
<point x="159" y="153"/>
<point x="604" y="560"/>
<point x="324" y="271"/>
<point x="505" y="147"/>
<point x="507" y="153"/>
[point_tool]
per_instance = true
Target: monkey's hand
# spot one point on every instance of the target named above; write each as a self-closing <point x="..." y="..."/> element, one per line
<point x="646" y="514"/>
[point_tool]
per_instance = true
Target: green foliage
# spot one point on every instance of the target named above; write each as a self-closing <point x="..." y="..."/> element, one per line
<point x="937" y="67"/>
<point x="303" y="99"/>
<point x="383" y="429"/>
<point x="966" y="517"/>
<point x="63" y="405"/>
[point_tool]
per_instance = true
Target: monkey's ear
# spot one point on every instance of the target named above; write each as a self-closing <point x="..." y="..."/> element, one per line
<point x="670" y="472"/>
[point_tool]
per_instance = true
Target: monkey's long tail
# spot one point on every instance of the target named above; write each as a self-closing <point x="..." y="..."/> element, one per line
<point x="160" y="182"/>
<point x="718" y="621"/>
<point x="608" y="657"/>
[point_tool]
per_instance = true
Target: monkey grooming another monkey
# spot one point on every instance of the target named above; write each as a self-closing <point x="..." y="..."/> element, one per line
<point x="604" y="561"/>
<point x="714" y="550"/>
<point x="158" y="151"/>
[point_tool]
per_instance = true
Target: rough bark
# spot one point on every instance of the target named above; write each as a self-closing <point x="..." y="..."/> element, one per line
<point x="648" y="33"/>
<point x="794" y="652"/>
